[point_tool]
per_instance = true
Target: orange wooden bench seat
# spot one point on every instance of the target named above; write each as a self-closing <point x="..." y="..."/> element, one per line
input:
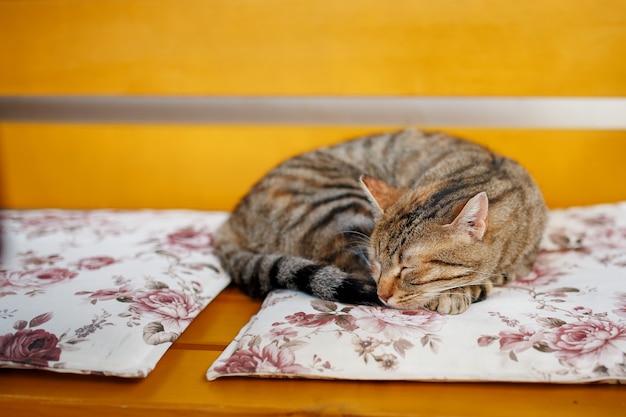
<point x="178" y="387"/>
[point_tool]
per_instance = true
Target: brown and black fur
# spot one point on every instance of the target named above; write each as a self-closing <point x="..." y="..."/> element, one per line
<point x="407" y="219"/>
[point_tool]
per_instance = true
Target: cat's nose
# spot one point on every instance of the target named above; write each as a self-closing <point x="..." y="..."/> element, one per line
<point x="386" y="288"/>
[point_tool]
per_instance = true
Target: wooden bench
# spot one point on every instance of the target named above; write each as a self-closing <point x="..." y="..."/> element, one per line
<point x="63" y="144"/>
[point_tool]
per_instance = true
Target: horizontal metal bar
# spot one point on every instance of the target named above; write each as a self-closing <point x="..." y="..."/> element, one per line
<point x="527" y="112"/>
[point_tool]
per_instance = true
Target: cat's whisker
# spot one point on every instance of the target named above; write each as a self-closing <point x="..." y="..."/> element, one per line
<point x="357" y="237"/>
<point x="356" y="233"/>
<point x="358" y="245"/>
<point x="360" y="242"/>
<point x="361" y="254"/>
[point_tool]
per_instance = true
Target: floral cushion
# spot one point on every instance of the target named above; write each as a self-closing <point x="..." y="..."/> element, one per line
<point x="565" y="322"/>
<point x="102" y="291"/>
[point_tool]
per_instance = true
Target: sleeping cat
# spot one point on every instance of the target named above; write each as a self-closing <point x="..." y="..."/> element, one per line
<point x="405" y="219"/>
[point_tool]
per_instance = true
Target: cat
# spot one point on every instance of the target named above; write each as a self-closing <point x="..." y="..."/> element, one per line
<point x="406" y="219"/>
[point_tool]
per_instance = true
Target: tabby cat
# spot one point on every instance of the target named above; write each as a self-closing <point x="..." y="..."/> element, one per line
<point x="406" y="219"/>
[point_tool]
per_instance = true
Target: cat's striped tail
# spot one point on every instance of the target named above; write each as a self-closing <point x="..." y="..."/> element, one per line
<point x="257" y="274"/>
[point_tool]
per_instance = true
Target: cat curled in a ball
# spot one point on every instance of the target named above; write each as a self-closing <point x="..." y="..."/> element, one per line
<point x="405" y="219"/>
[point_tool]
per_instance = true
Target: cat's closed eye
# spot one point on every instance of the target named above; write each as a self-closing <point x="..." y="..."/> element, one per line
<point x="439" y="262"/>
<point x="404" y="271"/>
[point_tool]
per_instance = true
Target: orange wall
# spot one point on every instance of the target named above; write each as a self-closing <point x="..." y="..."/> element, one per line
<point x="91" y="166"/>
<point x="292" y="47"/>
<point x="314" y="47"/>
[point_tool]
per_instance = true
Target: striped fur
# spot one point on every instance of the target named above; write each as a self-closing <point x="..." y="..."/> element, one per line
<point x="406" y="219"/>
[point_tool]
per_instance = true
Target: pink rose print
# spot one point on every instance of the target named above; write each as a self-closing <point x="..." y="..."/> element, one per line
<point x="543" y="273"/>
<point x="34" y="347"/>
<point x="328" y="313"/>
<point x="175" y="309"/>
<point x="365" y="346"/>
<point x="95" y="262"/>
<point x="608" y="238"/>
<point x="485" y="340"/>
<point x="308" y="320"/>
<point x="518" y="341"/>
<point x="621" y="309"/>
<point x="278" y="333"/>
<point x="590" y="343"/>
<point x="270" y="359"/>
<point x="395" y="324"/>
<point x="31" y="259"/>
<point x="599" y="219"/>
<point x="388" y="362"/>
<point x="583" y="310"/>
<point x="191" y="239"/>
<point x="621" y="305"/>
<point x="53" y="222"/>
<point x="37" y="278"/>
<point x="123" y="293"/>
<point x="4" y="279"/>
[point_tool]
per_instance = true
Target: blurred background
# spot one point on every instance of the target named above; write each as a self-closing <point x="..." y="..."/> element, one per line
<point x="184" y="104"/>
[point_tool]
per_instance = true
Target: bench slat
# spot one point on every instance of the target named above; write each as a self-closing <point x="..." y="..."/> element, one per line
<point x="219" y="322"/>
<point x="177" y="387"/>
<point x="211" y="167"/>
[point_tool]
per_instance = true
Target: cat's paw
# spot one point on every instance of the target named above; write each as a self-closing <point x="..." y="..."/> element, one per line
<point x="457" y="300"/>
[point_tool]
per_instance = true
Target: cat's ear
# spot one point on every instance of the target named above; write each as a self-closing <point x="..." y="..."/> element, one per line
<point x="382" y="194"/>
<point x="472" y="220"/>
